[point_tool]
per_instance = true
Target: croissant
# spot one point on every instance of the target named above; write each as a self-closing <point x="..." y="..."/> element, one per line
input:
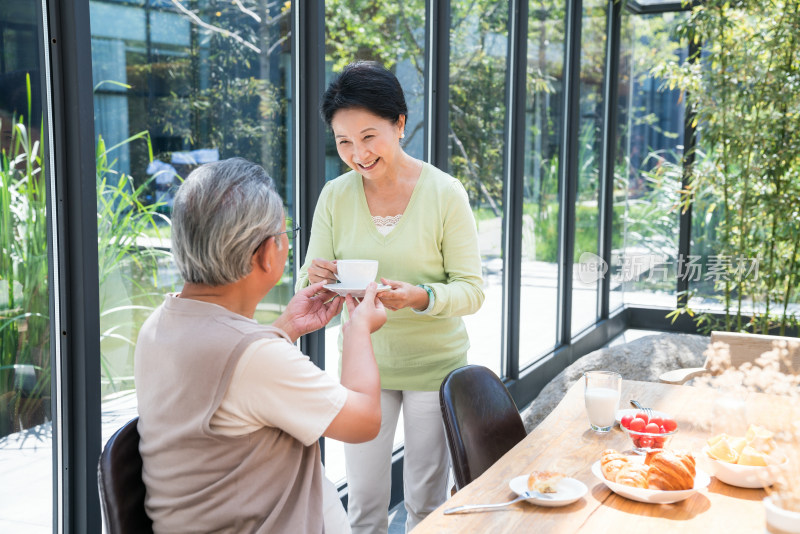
<point x="633" y="474"/>
<point x="670" y="471"/>
<point x="611" y="462"/>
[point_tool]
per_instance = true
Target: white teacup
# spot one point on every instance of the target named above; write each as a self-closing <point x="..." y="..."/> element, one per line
<point x="356" y="273"/>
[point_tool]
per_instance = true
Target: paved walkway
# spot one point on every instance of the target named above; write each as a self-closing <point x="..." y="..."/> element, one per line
<point x="26" y="470"/>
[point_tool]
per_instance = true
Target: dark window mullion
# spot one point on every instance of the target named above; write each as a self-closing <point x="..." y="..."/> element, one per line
<point x="609" y="149"/>
<point x="685" y="226"/>
<point x="77" y="433"/>
<point x="513" y="176"/>
<point x="437" y="83"/>
<point x="308" y="143"/>
<point x="568" y="167"/>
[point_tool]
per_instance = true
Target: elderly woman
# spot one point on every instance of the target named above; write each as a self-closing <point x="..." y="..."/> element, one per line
<point x="416" y="220"/>
<point x="230" y="410"/>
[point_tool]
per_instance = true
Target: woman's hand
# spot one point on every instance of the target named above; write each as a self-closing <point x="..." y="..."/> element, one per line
<point x="368" y="313"/>
<point x="310" y="309"/>
<point x="403" y="295"/>
<point x="322" y="271"/>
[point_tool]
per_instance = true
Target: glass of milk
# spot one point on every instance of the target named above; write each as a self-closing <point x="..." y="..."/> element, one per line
<point x="602" y="398"/>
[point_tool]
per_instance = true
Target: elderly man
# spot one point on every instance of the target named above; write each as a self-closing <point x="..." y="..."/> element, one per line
<point x="230" y="410"/>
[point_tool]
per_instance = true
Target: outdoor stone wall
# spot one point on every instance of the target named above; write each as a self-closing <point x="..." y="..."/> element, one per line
<point x="642" y="359"/>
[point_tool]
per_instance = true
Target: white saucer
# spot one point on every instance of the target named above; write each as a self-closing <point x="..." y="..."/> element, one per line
<point x="357" y="292"/>
<point x="568" y="490"/>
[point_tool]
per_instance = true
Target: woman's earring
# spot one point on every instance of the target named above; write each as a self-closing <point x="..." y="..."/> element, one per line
<point x="403" y="135"/>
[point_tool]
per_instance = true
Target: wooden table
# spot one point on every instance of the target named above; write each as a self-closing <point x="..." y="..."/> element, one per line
<point x="563" y="442"/>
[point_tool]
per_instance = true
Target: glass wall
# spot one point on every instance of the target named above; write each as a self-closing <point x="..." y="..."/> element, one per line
<point x="393" y="34"/>
<point x="176" y="87"/>
<point x="585" y="286"/>
<point x="540" y="208"/>
<point x="26" y="432"/>
<point x="647" y="170"/>
<point x="478" y="50"/>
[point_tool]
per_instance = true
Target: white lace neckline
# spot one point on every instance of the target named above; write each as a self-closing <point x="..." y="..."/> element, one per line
<point x="386" y="224"/>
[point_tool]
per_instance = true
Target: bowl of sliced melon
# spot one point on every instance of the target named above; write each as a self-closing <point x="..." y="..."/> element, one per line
<point x="749" y="461"/>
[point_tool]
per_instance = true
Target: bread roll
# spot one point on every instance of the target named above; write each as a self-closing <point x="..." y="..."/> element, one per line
<point x="670" y="471"/>
<point x="544" y="481"/>
<point x="634" y="475"/>
<point x="610" y="454"/>
<point x="611" y="462"/>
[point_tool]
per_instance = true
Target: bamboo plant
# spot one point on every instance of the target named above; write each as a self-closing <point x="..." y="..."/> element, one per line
<point x="128" y="232"/>
<point x="24" y="322"/>
<point x="743" y="89"/>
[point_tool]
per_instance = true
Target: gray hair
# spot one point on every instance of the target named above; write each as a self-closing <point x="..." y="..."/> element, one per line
<point x="222" y="212"/>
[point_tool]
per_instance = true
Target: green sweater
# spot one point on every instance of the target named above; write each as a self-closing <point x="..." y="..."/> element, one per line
<point x="434" y="243"/>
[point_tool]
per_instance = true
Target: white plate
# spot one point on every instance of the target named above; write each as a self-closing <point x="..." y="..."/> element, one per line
<point x="568" y="490"/>
<point x="357" y="292"/>
<point x="741" y="476"/>
<point x="652" y="496"/>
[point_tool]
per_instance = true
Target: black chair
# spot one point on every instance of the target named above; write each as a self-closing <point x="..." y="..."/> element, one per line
<point x="481" y="421"/>
<point x="119" y="476"/>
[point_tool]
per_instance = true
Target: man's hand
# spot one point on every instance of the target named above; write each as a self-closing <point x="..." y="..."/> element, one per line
<point x="369" y="313"/>
<point x="310" y="309"/>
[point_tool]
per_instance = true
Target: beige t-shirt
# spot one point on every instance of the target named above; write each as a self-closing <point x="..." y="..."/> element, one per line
<point x="291" y="404"/>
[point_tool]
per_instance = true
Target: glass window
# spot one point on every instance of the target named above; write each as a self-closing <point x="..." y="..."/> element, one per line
<point x="545" y="97"/>
<point x="176" y="87"/>
<point x="393" y="34"/>
<point x="26" y="463"/>
<point x="478" y="50"/>
<point x="585" y="286"/>
<point x="647" y="171"/>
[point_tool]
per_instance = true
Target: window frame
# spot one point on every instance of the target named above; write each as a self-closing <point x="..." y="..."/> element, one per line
<point x="75" y="347"/>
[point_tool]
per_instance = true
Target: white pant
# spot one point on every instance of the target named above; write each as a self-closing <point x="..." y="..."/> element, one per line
<point x="332" y="510"/>
<point x="426" y="463"/>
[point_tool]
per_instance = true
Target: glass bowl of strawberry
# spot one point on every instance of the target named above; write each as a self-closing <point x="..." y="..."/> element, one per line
<point x="648" y="433"/>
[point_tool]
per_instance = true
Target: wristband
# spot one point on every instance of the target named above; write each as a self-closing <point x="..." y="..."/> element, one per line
<point x="431" y="299"/>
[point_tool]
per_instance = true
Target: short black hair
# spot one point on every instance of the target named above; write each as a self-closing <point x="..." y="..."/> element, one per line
<point x="367" y="85"/>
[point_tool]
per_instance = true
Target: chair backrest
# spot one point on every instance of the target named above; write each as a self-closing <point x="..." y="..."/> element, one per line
<point x="119" y="476"/>
<point x="748" y="347"/>
<point x="481" y="420"/>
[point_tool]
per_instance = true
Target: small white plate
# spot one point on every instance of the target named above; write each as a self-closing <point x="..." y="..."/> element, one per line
<point x="357" y="292"/>
<point x="652" y="496"/>
<point x="568" y="490"/>
<point x="741" y="476"/>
